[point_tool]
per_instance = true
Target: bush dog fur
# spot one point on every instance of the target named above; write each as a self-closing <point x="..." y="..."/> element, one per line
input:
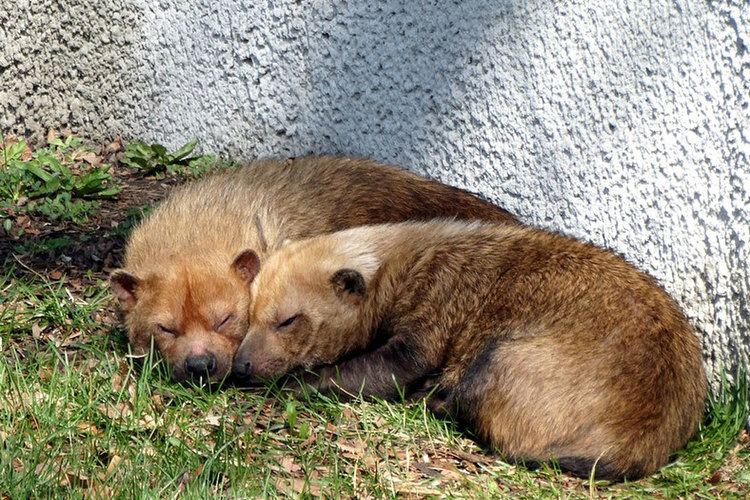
<point x="178" y="286"/>
<point x="545" y="347"/>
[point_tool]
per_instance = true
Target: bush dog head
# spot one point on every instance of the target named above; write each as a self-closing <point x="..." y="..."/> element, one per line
<point x="195" y="314"/>
<point x="304" y="311"/>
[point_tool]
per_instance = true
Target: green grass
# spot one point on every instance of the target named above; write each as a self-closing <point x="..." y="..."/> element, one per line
<point x="78" y="416"/>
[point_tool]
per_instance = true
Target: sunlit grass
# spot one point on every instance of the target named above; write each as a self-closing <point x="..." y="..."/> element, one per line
<point x="78" y="415"/>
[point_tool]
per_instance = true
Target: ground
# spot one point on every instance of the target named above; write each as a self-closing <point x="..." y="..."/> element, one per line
<point x="79" y="416"/>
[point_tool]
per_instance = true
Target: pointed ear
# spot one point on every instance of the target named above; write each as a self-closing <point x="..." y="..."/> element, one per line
<point x="247" y="265"/>
<point x="348" y="281"/>
<point x="125" y="288"/>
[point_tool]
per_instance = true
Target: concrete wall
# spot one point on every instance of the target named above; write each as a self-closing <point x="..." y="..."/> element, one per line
<point x="624" y="123"/>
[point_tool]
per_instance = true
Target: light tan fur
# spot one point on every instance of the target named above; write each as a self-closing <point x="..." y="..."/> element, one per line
<point x="177" y="285"/>
<point x="546" y="347"/>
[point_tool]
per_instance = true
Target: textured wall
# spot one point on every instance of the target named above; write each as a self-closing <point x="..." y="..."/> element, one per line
<point x="625" y="123"/>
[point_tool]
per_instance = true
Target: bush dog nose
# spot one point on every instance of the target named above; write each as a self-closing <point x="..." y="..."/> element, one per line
<point x="241" y="367"/>
<point x="200" y="366"/>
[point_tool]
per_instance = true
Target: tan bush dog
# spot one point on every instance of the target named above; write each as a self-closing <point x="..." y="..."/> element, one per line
<point x="177" y="285"/>
<point x="546" y="347"/>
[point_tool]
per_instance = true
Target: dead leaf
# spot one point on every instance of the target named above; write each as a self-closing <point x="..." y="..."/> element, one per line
<point x="288" y="464"/>
<point x="309" y="441"/>
<point x="36" y="331"/>
<point x="115" y="146"/>
<point x="88" y="427"/>
<point x="426" y="469"/>
<point x="470" y="457"/>
<point x="113" y="463"/>
<point x="119" y="378"/>
<point x="213" y="420"/>
<point x="379" y="421"/>
<point x="52" y="135"/>
<point x="148" y="422"/>
<point x="90" y="158"/>
<point x="298" y="486"/>
<point x="715" y="477"/>
<point x="352" y="448"/>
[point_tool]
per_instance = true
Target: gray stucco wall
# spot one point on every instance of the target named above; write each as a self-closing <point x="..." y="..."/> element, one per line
<point x="624" y="123"/>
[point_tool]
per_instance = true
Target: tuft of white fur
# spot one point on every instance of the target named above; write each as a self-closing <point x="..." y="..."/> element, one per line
<point x="359" y="254"/>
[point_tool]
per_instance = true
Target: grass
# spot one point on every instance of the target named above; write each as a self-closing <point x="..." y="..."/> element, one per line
<point x="78" y="416"/>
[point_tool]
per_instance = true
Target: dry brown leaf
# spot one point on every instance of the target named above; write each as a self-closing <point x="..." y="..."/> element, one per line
<point x="297" y="485"/>
<point x="309" y="441"/>
<point x="426" y="469"/>
<point x="113" y="463"/>
<point x="117" y="412"/>
<point x="36" y="331"/>
<point x="148" y="422"/>
<point x="115" y="146"/>
<point x="98" y="491"/>
<point x="744" y="436"/>
<point x="288" y="464"/>
<point x="213" y="420"/>
<point x="448" y="469"/>
<point x="88" y="427"/>
<point x="26" y="155"/>
<point x="52" y="135"/>
<point x="119" y="379"/>
<point x="352" y="448"/>
<point x="90" y="158"/>
<point x="379" y="421"/>
<point x="157" y="402"/>
<point x="470" y="457"/>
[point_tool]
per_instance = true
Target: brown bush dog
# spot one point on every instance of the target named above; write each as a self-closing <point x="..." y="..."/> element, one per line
<point x="545" y="347"/>
<point x="177" y="285"/>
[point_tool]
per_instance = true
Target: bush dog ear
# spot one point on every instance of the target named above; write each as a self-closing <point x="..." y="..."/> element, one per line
<point x="125" y="288"/>
<point x="247" y="265"/>
<point x="348" y="281"/>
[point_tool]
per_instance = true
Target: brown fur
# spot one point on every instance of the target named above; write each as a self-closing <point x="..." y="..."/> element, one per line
<point x="177" y="272"/>
<point x="546" y="347"/>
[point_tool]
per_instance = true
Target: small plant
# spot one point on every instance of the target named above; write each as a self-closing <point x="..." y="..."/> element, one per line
<point x="156" y="160"/>
<point x="60" y="181"/>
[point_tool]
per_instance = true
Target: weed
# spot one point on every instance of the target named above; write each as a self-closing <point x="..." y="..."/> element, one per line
<point x="155" y="159"/>
<point x="57" y="181"/>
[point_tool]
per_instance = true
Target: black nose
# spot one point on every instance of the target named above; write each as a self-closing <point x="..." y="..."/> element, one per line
<point x="240" y="367"/>
<point x="200" y="366"/>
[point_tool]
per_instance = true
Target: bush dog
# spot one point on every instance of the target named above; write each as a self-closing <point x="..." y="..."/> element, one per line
<point x="547" y="348"/>
<point x="178" y="286"/>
